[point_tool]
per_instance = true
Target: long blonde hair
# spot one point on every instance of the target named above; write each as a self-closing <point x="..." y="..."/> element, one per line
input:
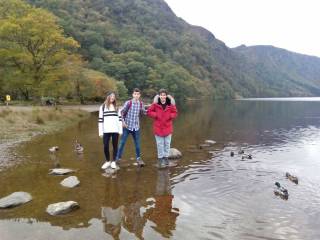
<point x="107" y="102"/>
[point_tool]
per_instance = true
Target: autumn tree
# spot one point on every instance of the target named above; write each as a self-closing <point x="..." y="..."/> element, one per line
<point x="32" y="46"/>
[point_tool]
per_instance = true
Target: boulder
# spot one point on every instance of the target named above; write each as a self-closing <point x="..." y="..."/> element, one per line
<point x="211" y="142"/>
<point x="60" y="171"/>
<point x="174" y="153"/>
<point x="62" y="208"/>
<point x="15" y="199"/>
<point x="70" y="182"/>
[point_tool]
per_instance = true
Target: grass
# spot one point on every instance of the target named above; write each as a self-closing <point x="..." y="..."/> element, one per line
<point x="16" y="125"/>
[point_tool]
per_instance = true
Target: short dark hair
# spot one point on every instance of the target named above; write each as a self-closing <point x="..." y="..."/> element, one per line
<point x="136" y="90"/>
<point x="162" y="90"/>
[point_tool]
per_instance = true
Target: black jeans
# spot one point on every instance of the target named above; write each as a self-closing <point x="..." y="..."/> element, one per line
<point x="106" y="140"/>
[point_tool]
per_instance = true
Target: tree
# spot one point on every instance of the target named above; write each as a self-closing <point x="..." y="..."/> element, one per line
<point x="32" y="45"/>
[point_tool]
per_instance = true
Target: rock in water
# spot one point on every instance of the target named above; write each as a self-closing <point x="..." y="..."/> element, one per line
<point x="60" y="171"/>
<point x="15" y="199"/>
<point x="62" y="208"/>
<point x="174" y="153"/>
<point x="70" y="182"/>
<point x="211" y="142"/>
<point x="203" y="146"/>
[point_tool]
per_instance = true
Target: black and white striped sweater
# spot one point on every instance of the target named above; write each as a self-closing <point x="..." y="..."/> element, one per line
<point x="110" y="121"/>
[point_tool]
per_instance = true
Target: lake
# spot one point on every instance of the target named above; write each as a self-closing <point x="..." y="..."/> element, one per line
<point x="209" y="195"/>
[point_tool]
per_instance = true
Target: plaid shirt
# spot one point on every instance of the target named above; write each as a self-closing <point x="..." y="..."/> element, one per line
<point x="133" y="113"/>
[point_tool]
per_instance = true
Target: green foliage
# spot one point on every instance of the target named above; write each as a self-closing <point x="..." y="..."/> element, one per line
<point x="141" y="43"/>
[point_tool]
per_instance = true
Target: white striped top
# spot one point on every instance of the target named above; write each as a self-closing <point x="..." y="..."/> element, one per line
<point x="110" y="120"/>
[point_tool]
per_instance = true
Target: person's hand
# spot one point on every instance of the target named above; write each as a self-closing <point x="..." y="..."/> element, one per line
<point x="101" y="136"/>
<point x="124" y="125"/>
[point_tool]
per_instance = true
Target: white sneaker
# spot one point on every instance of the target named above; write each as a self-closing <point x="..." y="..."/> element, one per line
<point x="106" y="165"/>
<point x="113" y="165"/>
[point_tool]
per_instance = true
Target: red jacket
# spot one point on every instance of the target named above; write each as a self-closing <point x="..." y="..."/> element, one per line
<point x="163" y="118"/>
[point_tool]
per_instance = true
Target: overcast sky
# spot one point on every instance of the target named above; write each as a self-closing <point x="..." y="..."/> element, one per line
<point x="289" y="24"/>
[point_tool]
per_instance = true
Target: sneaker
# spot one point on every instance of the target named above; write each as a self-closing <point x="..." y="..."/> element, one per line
<point x="166" y="161"/>
<point x="113" y="165"/>
<point x="140" y="162"/>
<point x="161" y="163"/>
<point x="106" y="165"/>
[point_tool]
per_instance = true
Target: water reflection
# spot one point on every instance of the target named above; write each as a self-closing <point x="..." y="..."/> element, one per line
<point x="130" y="211"/>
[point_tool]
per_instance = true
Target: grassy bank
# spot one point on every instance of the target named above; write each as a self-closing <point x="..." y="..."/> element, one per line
<point x="21" y="124"/>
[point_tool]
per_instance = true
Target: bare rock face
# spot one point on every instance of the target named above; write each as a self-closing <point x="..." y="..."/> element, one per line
<point x="174" y="153"/>
<point x="15" y="199"/>
<point x="70" y="182"/>
<point x="62" y="207"/>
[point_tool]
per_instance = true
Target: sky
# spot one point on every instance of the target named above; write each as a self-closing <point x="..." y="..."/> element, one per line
<point x="290" y="24"/>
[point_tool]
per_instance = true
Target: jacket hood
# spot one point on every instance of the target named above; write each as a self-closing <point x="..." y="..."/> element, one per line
<point x="169" y="100"/>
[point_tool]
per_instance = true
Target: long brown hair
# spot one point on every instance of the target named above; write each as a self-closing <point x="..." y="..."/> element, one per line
<point x="107" y="102"/>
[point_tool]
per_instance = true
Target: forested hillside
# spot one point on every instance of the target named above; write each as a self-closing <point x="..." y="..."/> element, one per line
<point x="141" y="43"/>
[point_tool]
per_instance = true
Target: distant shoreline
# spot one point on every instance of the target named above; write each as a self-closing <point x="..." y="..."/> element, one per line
<point x="287" y="99"/>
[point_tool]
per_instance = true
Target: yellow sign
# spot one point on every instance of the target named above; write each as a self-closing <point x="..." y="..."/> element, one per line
<point x="8" y="98"/>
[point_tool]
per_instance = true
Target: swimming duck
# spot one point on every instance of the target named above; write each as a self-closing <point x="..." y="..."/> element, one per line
<point x="241" y="151"/>
<point x="248" y="156"/>
<point x="78" y="147"/>
<point x="292" y="178"/>
<point x="53" y="149"/>
<point x="281" y="191"/>
<point x="232" y="154"/>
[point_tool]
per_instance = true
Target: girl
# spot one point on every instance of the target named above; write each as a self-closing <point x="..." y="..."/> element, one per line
<point x="110" y="126"/>
<point x="163" y="111"/>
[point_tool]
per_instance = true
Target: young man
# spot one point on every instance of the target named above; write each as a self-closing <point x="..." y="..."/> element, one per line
<point x="131" y="112"/>
<point x="163" y="111"/>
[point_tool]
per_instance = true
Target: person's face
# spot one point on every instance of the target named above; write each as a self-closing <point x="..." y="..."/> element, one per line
<point x="112" y="97"/>
<point x="163" y="97"/>
<point x="136" y="95"/>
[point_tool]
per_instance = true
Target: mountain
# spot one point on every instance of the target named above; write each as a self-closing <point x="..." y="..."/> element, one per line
<point x="280" y="68"/>
<point x="144" y="44"/>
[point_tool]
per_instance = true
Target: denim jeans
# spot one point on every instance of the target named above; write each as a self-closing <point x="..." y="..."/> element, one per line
<point x="163" y="145"/>
<point x="123" y="140"/>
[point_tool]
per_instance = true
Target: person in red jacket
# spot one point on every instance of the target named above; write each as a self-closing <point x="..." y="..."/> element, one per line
<point x="163" y="111"/>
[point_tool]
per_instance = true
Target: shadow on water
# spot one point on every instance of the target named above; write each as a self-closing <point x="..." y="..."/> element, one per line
<point x="209" y="195"/>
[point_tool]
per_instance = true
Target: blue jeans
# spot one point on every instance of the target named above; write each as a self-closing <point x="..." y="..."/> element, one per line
<point x="163" y="145"/>
<point x="123" y="140"/>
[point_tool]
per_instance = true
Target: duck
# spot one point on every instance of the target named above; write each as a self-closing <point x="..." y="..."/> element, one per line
<point x="292" y="178"/>
<point x="53" y="149"/>
<point x="241" y="151"/>
<point x="281" y="191"/>
<point x="78" y="147"/>
<point x="248" y="156"/>
<point x="231" y="154"/>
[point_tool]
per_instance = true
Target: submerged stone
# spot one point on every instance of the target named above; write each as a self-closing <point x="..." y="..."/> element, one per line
<point x="70" y="182"/>
<point x="60" y="171"/>
<point x="62" y="208"/>
<point x="15" y="199"/>
<point x="174" y="153"/>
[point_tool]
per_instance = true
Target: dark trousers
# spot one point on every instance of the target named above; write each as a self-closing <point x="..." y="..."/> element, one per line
<point x="106" y="140"/>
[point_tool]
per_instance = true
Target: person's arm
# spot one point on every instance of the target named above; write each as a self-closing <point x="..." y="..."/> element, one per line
<point x="100" y="121"/>
<point x="124" y="110"/>
<point x="174" y="112"/>
<point x="143" y="110"/>
<point x="151" y="112"/>
<point x="120" y="124"/>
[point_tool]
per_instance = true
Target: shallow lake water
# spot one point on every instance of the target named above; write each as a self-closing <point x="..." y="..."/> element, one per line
<point x="209" y="195"/>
